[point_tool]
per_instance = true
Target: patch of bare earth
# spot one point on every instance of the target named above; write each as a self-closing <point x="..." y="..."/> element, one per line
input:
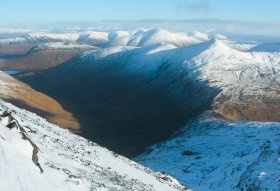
<point x="38" y="60"/>
<point x="249" y="104"/>
<point x="16" y="48"/>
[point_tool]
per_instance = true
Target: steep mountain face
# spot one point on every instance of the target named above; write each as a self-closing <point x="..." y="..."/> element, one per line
<point x="24" y="96"/>
<point x="213" y="154"/>
<point x="36" y="155"/>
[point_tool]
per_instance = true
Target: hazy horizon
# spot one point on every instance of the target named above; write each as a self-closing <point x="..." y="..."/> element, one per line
<point x="251" y="17"/>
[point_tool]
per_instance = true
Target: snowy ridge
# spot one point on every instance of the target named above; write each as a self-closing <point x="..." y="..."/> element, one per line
<point x="212" y="154"/>
<point x="67" y="161"/>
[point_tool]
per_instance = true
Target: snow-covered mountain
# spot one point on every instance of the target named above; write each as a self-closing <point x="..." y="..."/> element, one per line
<point x="36" y="155"/>
<point x="155" y="36"/>
<point x="118" y="38"/>
<point x="244" y="77"/>
<point x="99" y="39"/>
<point x="249" y="81"/>
<point x="213" y="154"/>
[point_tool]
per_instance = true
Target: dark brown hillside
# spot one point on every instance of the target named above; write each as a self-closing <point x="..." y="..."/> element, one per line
<point x="38" y="60"/>
<point x="25" y="97"/>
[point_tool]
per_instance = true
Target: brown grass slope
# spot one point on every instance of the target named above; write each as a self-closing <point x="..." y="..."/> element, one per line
<point x="24" y="96"/>
<point x="38" y="60"/>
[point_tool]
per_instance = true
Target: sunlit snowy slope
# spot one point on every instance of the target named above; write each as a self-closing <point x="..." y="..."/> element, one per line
<point x="213" y="154"/>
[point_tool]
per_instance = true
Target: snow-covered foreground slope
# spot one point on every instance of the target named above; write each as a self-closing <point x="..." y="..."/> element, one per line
<point x="212" y="154"/>
<point x="36" y="155"/>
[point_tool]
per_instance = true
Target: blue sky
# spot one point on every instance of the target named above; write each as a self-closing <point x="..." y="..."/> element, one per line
<point x="48" y="11"/>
